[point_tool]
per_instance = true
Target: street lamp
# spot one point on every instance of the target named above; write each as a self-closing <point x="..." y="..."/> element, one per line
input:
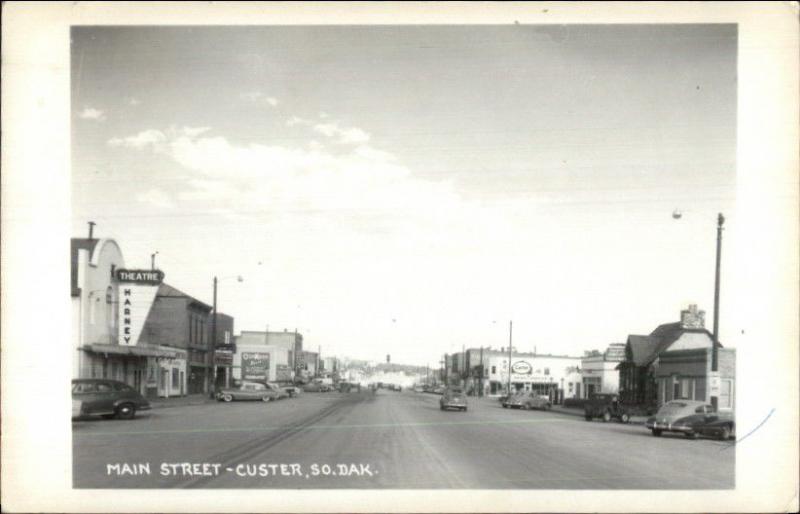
<point x="212" y="389"/>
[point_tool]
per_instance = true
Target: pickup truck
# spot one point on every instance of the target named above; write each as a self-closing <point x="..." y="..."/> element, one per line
<point x="605" y="406"/>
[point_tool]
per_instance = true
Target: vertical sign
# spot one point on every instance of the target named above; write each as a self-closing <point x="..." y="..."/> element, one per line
<point x="136" y="292"/>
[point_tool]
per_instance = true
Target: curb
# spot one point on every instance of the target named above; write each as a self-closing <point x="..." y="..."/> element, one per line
<point x="634" y="420"/>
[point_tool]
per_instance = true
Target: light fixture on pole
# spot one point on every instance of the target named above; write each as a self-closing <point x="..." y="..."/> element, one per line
<point x="153" y="260"/>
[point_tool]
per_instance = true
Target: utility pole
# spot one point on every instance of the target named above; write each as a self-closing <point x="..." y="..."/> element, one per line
<point x="715" y="342"/>
<point x="213" y="349"/>
<point x="510" y="331"/>
<point x="480" y="392"/>
<point x="446" y="374"/>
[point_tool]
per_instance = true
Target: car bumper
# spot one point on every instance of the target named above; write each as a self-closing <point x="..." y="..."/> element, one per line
<point x="668" y="427"/>
<point x="454" y="405"/>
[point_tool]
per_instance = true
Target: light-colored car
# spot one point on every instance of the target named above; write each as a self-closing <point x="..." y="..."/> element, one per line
<point x="527" y="401"/>
<point x="688" y="417"/>
<point x="248" y="391"/>
<point x="281" y="392"/>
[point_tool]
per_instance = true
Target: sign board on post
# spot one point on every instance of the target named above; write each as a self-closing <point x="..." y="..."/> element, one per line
<point x="255" y="365"/>
<point x="223" y="358"/>
<point x="713" y="383"/>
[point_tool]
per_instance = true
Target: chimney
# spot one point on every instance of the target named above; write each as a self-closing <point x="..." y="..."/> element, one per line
<point x="91" y="229"/>
<point x="693" y="318"/>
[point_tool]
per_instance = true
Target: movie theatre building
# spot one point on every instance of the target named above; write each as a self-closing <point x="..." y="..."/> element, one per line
<point x="128" y="325"/>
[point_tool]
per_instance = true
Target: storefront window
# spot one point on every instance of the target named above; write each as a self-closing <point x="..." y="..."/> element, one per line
<point x="175" y="378"/>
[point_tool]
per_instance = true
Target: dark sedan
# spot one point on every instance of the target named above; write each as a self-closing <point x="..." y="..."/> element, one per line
<point x="691" y="418"/>
<point x="106" y="398"/>
<point x="453" y="398"/>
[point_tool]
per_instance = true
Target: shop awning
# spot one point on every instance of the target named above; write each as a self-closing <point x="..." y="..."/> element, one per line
<point x="138" y="351"/>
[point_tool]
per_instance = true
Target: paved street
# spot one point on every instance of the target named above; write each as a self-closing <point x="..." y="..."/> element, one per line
<point x="387" y="440"/>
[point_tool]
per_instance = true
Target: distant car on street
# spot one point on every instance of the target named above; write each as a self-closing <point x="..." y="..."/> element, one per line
<point x="248" y="391"/>
<point x="453" y="398"/>
<point x="528" y="401"/>
<point x="691" y="418"/>
<point x="107" y="398"/>
<point x="605" y="406"/>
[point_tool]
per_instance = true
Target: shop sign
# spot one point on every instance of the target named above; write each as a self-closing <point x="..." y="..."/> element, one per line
<point x="521" y="368"/>
<point x="140" y="276"/>
<point x="255" y="365"/>
<point x="137" y="291"/>
<point x="713" y="383"/>
<point x="223" y="358"/>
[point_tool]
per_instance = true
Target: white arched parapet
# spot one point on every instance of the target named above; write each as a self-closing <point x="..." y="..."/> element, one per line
<point x="100" y="248"/>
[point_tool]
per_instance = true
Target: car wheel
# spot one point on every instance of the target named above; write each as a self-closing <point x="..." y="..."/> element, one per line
<point x="505" y="406"/>
<point x="527" y="406"/>
<point x="725" y="434"/>
<point x="441" y="407"/>
<point x="464" y="409"/>
<point x="692" y="435"/>
<point x="227" y="398"/>
<point x="587" y="417"/>
<point x="126" y="411"/>
<point x="266" y="398"/>
<point x="625" y="418"/>
<point x="547" y="406"/>
<point x="657" y="432"/>
<point x="606" y="416"/>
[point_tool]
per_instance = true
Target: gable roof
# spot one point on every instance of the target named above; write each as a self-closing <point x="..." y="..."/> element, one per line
<point x="76" y="244"/>
<point x="167" y="291"/>
<point x="645" y="349"/>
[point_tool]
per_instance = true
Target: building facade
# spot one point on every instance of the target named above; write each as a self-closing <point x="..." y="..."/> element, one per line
<point x="486" y="372"/>
<point x="599" y="373"/>
<point x="111" y="305"/>
<point x="674" y="362"/>
<point x="270" y="356"/>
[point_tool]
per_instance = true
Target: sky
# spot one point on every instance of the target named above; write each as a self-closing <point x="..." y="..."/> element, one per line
<point x="408" y="190"/>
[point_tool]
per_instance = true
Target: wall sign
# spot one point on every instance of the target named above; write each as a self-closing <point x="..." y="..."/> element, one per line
<point x="255" y="365"/>
<point x="521" y="368"/>
<point x="136" y="293"/>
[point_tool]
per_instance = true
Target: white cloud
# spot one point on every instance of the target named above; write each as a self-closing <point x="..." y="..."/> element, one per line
<point x="140" y="140"/>
<point x="194" y="131"/>
<point x="156" y="197"/>
<point x="90" y="113"/>
<point x="342" y="135"/>
<point x="259" y="97"/>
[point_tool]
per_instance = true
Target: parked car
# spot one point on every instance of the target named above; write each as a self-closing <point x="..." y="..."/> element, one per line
<point x="248" y="391"/>
<point x="529" y="400"/>
<point x="691" y="418"/>
<point x="453" y="398"/>
<point x="606" y="406"/>
<point x="107" y="398"/>
<point x="281" y="392"/>
<point x="316" y="387"/>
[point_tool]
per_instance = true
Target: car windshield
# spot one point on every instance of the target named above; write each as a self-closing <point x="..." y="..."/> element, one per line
<point x="672" y="408"/>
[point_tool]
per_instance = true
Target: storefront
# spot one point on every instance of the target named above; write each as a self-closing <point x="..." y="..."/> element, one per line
<point x="153" y="371"/>
<point x="548" y="375"/>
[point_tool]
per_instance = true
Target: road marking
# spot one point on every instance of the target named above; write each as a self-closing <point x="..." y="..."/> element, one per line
<point x="325" y="427"/>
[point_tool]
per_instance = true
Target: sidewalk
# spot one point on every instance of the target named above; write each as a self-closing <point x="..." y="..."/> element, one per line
<point x="571" y="411"/>
<point x="180" y="401"/>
